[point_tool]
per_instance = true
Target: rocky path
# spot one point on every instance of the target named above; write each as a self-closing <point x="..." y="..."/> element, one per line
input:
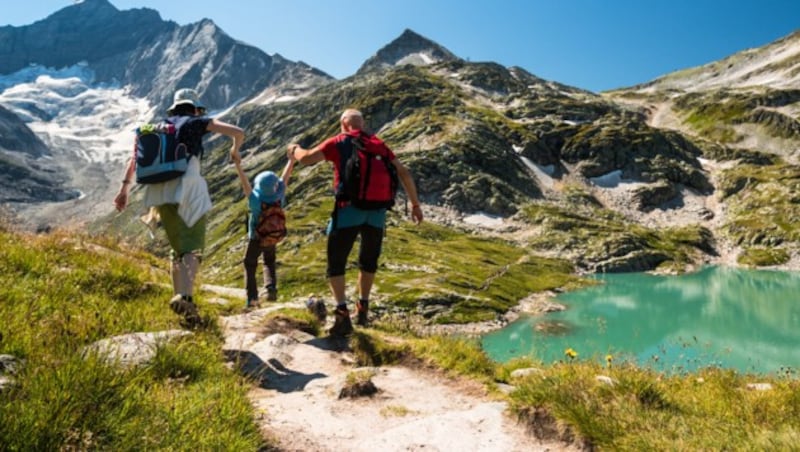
<point x="299" y="378"/>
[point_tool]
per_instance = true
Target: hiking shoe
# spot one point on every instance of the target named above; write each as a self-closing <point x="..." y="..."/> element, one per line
<point x="317" y="307"/>
<point x="186" y="309"/>
<point x="362" y="309"/>
<point x="342" y="326"/>
<point x="252" y="304"/>
<point x="272" y="293"/>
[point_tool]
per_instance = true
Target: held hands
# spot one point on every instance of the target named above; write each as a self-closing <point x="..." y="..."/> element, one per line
<point x="290" y="151"/>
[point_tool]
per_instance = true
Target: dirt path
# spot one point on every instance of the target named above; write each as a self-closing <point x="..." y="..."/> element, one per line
<point x="299" y="378"/>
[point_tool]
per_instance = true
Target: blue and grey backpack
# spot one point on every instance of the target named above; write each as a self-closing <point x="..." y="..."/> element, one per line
<point x="159" y="155"/>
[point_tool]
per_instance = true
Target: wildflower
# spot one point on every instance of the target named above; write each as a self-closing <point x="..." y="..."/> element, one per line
<point x="609" y="358"/>
<point x="570" y="353"/>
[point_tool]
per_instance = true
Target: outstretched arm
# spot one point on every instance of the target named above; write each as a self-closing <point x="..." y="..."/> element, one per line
<point x="305" y="156"/>
<point x="411" y="190"/>
<point x="246" y="187"/>
<point x="287" y="172"/>
<point x="121" y="200"/>
<point x="230" y="130"/>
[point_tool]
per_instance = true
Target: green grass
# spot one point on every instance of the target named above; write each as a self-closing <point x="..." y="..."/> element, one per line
<point x="61" y="293"/>
<point x="474" y="278"/>
<point x="462" y="356"/>
<point x="715" y="124"/>
<point x="763" y="256"/>
<point x="709" y="410"/>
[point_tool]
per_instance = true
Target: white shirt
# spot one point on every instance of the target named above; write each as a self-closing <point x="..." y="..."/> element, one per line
<point x="189" y="191"/>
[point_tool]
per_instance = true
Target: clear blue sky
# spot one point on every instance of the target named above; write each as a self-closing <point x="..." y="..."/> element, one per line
<point x="591" y="44"/>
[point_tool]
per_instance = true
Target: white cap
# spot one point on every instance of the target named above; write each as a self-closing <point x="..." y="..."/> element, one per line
<point x="185" y="96"/>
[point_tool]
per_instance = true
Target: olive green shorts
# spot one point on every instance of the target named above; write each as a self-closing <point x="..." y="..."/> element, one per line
<point x="182" y="239"/>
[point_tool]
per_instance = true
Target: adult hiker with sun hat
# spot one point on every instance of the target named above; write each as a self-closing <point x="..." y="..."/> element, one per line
<point x="180" y="196"/>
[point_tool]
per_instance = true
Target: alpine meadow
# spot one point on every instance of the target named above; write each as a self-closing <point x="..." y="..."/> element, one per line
<point x="528" y="186"/>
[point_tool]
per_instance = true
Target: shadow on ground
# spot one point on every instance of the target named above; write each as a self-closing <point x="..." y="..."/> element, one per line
<point x="272" y="374"/>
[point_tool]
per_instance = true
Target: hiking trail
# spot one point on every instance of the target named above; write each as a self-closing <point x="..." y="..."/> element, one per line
<point x="298" y="379"/>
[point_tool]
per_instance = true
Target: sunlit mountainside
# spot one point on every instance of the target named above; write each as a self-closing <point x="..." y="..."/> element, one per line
<point x="693" y="167"/>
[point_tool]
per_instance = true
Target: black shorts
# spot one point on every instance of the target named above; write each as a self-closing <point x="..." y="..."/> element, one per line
<point x="340" y="243"/>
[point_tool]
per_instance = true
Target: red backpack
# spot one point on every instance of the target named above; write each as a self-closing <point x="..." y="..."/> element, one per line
<point x="369" y="179"/>
<point x="271" y="225"/>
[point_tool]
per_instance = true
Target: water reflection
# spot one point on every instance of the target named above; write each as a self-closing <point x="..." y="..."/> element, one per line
<point x="734" y="318"/>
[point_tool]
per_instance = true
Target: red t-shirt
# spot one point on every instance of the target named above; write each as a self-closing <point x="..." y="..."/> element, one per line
<point x="331" y="150"/>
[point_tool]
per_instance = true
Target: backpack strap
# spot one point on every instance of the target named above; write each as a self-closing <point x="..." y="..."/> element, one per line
<point x="178" y="122"/>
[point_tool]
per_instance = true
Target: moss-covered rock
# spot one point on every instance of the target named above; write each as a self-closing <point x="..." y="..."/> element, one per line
<point x="654" y="195"/>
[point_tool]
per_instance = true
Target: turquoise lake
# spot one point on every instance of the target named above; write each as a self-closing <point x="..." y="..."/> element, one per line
<point x="726" y="317"/>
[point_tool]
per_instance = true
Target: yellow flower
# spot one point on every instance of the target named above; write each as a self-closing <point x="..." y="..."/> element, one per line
<point x="609" y="358"/>
<point x="570" y="353"/>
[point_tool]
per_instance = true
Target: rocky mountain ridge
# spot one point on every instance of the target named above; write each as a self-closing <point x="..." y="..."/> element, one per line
<point x="775" y="65"/>
<point x="136" y="48"/>
<point x="611" y="182"/>
<point x="631" y="180"/>
<point x="24" y="178"/>
<point x="111" y="71"/>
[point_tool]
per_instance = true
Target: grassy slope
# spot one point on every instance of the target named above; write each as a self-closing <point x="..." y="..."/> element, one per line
<point x="61" y="293"/>
<point x="421" y="265"/>
<point x="711" y="409"/>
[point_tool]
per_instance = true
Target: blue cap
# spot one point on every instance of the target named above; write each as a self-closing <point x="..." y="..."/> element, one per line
<point x="268" y="187"/>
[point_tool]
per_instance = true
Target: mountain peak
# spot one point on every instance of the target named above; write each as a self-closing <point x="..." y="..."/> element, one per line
<point x="84" y="6"/>
<point x="90" y="30"/>
<point x="409" y="48"/>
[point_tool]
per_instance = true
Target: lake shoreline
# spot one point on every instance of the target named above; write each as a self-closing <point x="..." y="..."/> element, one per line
<point x="533" y="305"/>
<point x="718" y="316"/>
<point x="541" y="303"/>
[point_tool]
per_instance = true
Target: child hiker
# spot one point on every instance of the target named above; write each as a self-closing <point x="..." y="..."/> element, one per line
<point x="267" y="190"/>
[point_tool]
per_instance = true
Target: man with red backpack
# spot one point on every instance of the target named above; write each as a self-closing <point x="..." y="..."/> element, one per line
<point x="365" y="177"/>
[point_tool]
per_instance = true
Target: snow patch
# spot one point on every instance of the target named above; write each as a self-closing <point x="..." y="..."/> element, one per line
<point x="72" y="114"/>
<point x="418" y="59"/>
<point x="609" y="180"/>
<point x="484" y="220"/>
<point x="544" y="174"/>
<point x="34" y="71"/>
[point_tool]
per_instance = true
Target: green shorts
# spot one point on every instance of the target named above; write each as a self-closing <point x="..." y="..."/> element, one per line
<point x="182" y="239"/>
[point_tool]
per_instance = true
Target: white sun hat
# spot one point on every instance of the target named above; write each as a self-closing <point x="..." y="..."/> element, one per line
<point x="185" y="96"/>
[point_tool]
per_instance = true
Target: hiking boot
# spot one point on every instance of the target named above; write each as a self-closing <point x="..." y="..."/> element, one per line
<point x="272" y="293"/>
<point x="252" y="304"/>
<point x="342" y="326"/>
<point x="185" y="308"/>
<point x="317" y="307"/>
<point x="362" y="309"/>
